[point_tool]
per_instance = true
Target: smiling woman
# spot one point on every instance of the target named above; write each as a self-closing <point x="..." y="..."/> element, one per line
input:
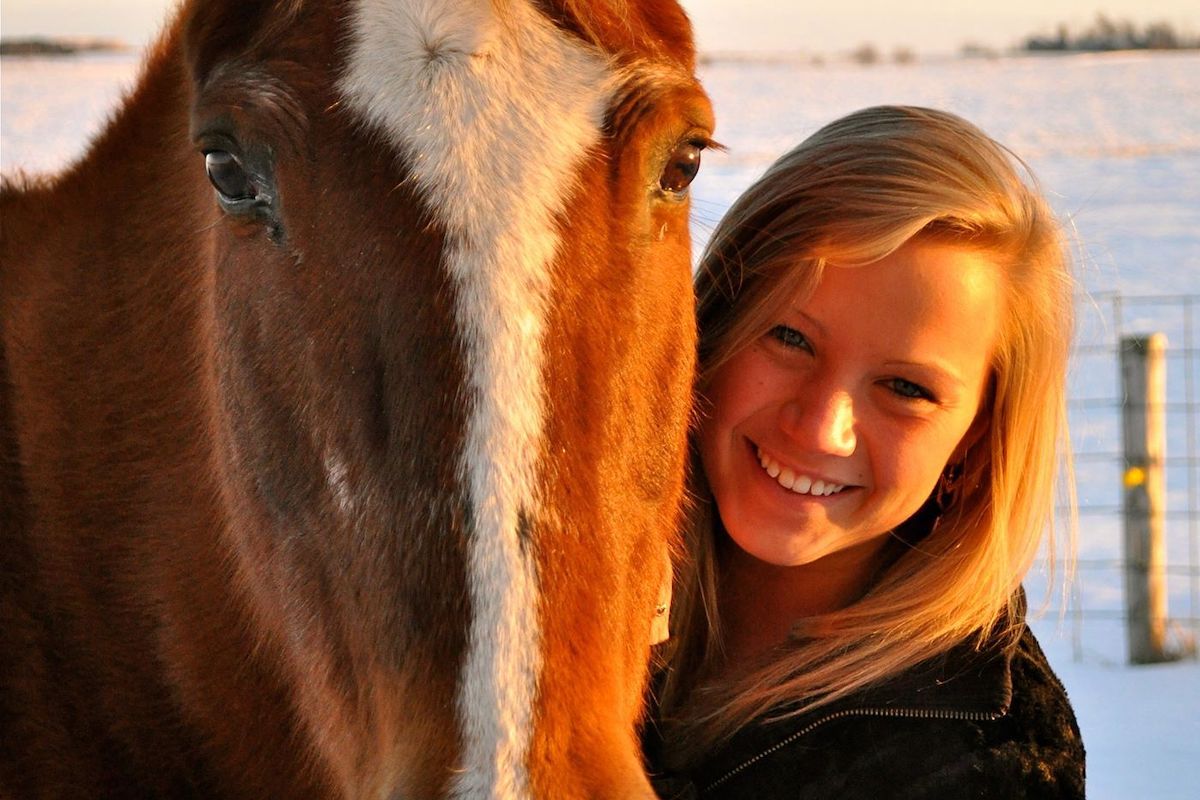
<point x="853" y="416"/>
<point x="884" y="333"/>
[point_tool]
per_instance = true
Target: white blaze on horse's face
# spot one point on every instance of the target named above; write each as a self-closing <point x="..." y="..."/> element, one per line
<point x="462" y="91"/>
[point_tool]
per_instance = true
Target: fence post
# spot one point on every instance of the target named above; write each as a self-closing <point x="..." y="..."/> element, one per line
<point x="1143" y="383"/>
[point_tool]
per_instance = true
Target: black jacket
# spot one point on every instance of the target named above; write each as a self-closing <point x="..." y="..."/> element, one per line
<point x="995" y="724"/>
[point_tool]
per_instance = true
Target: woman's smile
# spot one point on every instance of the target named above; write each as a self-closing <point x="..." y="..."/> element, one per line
<point x="797" y="481"/>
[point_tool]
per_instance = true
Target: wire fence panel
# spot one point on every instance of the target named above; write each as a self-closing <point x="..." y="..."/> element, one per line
<point x="1093" y="601"/>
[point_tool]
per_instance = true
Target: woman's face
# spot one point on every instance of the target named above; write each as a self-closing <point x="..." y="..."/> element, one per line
<point x="834" y="425"/>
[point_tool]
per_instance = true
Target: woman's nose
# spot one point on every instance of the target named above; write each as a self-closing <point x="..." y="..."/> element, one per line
<point x="822" y="421"/>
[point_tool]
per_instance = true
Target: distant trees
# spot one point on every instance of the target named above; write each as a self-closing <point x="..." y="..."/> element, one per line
<point x="57" y="47"/>
<point x="866" y="54"/>
<point x="1107" y="34"/>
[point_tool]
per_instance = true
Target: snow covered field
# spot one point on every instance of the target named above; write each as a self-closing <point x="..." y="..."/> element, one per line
<point x="1115" y="141"/>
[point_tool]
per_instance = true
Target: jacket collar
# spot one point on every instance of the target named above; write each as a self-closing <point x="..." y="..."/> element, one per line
<point x="966" y="678"/>
<point x="966" y="682"/>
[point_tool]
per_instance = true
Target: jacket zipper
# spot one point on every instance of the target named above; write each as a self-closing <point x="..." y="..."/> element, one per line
<point x="911" y="713"/>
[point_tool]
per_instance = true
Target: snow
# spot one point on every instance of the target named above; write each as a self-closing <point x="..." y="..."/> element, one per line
<point x="1140" y="725"/>
<point x="50" y="107"/>
<point x="1115" y="141"/>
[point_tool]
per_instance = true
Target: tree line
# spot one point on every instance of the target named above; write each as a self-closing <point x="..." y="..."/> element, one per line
<point x="1107" y="34"/>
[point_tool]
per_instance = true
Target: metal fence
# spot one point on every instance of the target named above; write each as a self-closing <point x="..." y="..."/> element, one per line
<point x="1094" y="606"/>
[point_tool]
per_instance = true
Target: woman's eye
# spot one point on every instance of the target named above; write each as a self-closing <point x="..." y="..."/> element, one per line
<point x="909" y="390"/>
<point x="681" y="168"/>
<point x="228" y="177"/>
<point x="790" y="337"/>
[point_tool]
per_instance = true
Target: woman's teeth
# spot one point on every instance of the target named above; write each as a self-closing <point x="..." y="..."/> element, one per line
<point x="800" y="484"/>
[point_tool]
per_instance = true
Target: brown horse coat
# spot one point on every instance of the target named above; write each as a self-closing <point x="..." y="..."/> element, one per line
<point x="348" y="469"/>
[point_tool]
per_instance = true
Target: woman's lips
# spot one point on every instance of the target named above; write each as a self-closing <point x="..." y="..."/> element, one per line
<point x="797" y="482"/>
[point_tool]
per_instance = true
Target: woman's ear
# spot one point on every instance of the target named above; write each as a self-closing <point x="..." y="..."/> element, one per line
<point x="974" y="435"/>
<point x="979" y="426"/>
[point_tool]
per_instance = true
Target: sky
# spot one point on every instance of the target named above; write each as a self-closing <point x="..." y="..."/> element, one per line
<point x="925" y="26"/>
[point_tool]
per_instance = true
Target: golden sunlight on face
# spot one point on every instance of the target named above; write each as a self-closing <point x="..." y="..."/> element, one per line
<point x="835" y="425"/>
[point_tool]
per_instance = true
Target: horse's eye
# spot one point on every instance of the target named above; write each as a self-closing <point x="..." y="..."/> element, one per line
<point x="681" y="168"/>
<point x="228" y="176"/>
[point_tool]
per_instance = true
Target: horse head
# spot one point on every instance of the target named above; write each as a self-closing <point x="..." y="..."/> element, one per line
<point x="387" y="346"/>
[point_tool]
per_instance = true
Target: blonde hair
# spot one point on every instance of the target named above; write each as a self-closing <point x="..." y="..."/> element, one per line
<point x="851" y="194"/>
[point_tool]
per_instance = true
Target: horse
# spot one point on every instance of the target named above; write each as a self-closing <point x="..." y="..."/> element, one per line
<point x="344" y="393"/>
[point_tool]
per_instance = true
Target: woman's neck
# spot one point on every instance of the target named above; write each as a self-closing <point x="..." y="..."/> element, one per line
<point x="760" y="603"/>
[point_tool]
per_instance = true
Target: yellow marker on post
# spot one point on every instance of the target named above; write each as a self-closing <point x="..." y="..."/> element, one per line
<point x="1134" y="477"/>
